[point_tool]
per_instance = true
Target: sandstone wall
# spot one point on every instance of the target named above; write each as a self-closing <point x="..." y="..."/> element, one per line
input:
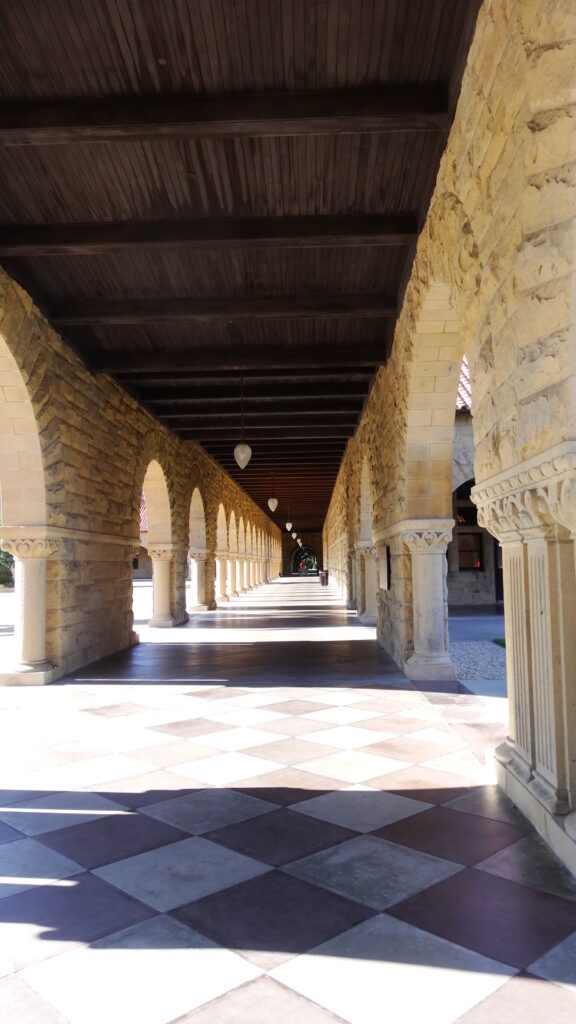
<point x="493" y="278"/>
<point x="77" y="478"/>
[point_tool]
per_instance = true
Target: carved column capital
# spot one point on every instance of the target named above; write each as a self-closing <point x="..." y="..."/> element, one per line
<point x="30" y="547"/>
<point x="198" y="556"/>
<point x="364" y="549"/>
<point x="161" y="552"/>
<point x="427" y="541"/>
<point x="532" y="499"/>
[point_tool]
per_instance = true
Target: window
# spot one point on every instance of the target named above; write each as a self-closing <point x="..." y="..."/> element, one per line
<point x="470" y="551"/>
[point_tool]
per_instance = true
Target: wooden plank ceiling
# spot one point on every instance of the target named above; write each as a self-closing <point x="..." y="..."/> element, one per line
<point x="209" y="196"/>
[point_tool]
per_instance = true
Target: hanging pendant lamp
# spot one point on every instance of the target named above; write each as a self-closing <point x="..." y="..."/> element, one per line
<point x="288" y="526"/>
<point x="294" y="535"/>
<point x="242" y="451"/>
<point x="272" y="504"/>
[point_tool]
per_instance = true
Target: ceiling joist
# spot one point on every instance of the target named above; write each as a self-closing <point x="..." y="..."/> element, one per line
<point x="244" y="233"/>
<point x="223" y="309"/>
<point x="416" y="108"/>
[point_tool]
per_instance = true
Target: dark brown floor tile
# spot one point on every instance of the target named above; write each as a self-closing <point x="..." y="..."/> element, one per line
<point x="422" y="783"/>
<point x="291" y="751"/>
<point x="453" y="835"/>
<point x="490" y="802"/>
<point x="117" y="710"/>
<point x="407" y="749"/>
<point x="297" y="707"/>
<point x="218" y="693"/>
<point x="288" y="786"/>
<point x="389" y="723"/>
<point x="500" y="919"/>
<point x="295" y="726"/>
<point x="115" y="837"/>
<point x="280" y="837"/>
<point x="261" y="1002"/>
<point x="191" y="727"/>
<point x="530" y="862"/>
<point x="524" y="1000"/>
<point x="272" y="918"/>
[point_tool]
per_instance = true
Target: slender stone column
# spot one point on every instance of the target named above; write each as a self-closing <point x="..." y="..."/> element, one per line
<point x="352" y="581"/>
<point x="427" y="546"/>
<point x="233" y="563"/>
<point x="161" y="556"/>
<point x="30" y="555"/>
<point x="221" y="579"/>
<point x="369" y="583"/>
<point x="198" y="567"/>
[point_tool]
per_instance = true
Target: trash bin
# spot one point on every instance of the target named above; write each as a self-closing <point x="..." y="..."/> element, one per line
<point x="323" y="577"/>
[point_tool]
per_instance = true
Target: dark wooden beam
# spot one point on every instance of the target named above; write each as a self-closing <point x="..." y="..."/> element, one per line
<point x="252" y="414"/>
<point x="290" y="374"/>
<point x="237" y="361"/>
<point x="417" y="108"/>
<point x="258" y="232"/>
<point x="313" y="432"/>
<point x="222" y="309"/>
<point x="258" y="393"/>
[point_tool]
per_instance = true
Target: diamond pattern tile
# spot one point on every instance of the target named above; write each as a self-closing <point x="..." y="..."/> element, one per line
<point x="327" y="851"/>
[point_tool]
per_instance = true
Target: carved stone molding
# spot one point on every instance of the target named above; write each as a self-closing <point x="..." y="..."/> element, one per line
<point x="530" y="500"/>
<point x="30" y="547"/>
<point x="364" y="549"/>
<point x="427" y="542"/>
<point x="161" y="553"/>
<point x="198" y="556"/>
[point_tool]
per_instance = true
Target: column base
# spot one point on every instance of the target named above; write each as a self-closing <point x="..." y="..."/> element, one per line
<point x="423" y="667"/>
<point x="367" y="618"/>
<point x="194" y="608"/>
<point x="222" y="597"/>
<point x="167" y="621"/>
<point x="558" y="831"/>
<point x="35" y="674"/>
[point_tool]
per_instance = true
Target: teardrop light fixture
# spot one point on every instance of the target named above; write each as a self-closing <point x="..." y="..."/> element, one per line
<point x="272" y="504"/>
<point x="242" y="454"/>
<point x="242" y="451"/>
<point x="294" y="535"/>
<point x="288" y="527"/>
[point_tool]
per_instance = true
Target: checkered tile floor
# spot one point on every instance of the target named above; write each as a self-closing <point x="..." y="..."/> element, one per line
<point x="227" y="853"/>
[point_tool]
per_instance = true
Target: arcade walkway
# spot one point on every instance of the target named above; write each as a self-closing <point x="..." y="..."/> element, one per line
<point x="257" y="818"/>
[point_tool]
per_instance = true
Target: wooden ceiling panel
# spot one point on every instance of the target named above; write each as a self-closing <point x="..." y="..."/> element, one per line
<point x="91" y="48"/>
<point x="210" y="199"/>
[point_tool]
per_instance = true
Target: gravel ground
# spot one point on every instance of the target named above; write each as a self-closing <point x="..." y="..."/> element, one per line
<point x="479" y="660"/>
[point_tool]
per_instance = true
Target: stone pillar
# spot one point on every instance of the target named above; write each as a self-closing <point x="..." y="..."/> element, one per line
<point x="161" y="555"/>
<point x="531" y="509"/>
<point x="233" y="563"/>
<point x="198" y="569"/>
<point x="369" y="581"/>
<point x="30" y="555"/>
<point x="221" y="578"/>
<point x="352" y="583"/>
<point x="360" y="584"/>
<point x="427" y="541"/>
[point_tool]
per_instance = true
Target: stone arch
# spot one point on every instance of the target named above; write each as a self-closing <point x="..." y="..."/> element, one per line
<point x="221" y="531"/>
<point x="197" y="551"/>
<point x="23" y="519"/>
<point x="22" y="481"/>
<point x="233" y="535"/>
<point x="197" y="522"/>
<point x="366" y="504"/>
<point x="158" y="513"/>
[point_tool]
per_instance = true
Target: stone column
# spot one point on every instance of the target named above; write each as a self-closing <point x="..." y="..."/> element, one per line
<point x="352" y="583"/>
<point x="531" y="509"/>
<point x="198" y="566"/>
<point x="30" y="555"/>
<point x="233" y="563"/>
<point x="369" y="584"/>
<point x="161" y="555"/>
<point x="427" y="542"/>
<point x="221" y="579"/>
